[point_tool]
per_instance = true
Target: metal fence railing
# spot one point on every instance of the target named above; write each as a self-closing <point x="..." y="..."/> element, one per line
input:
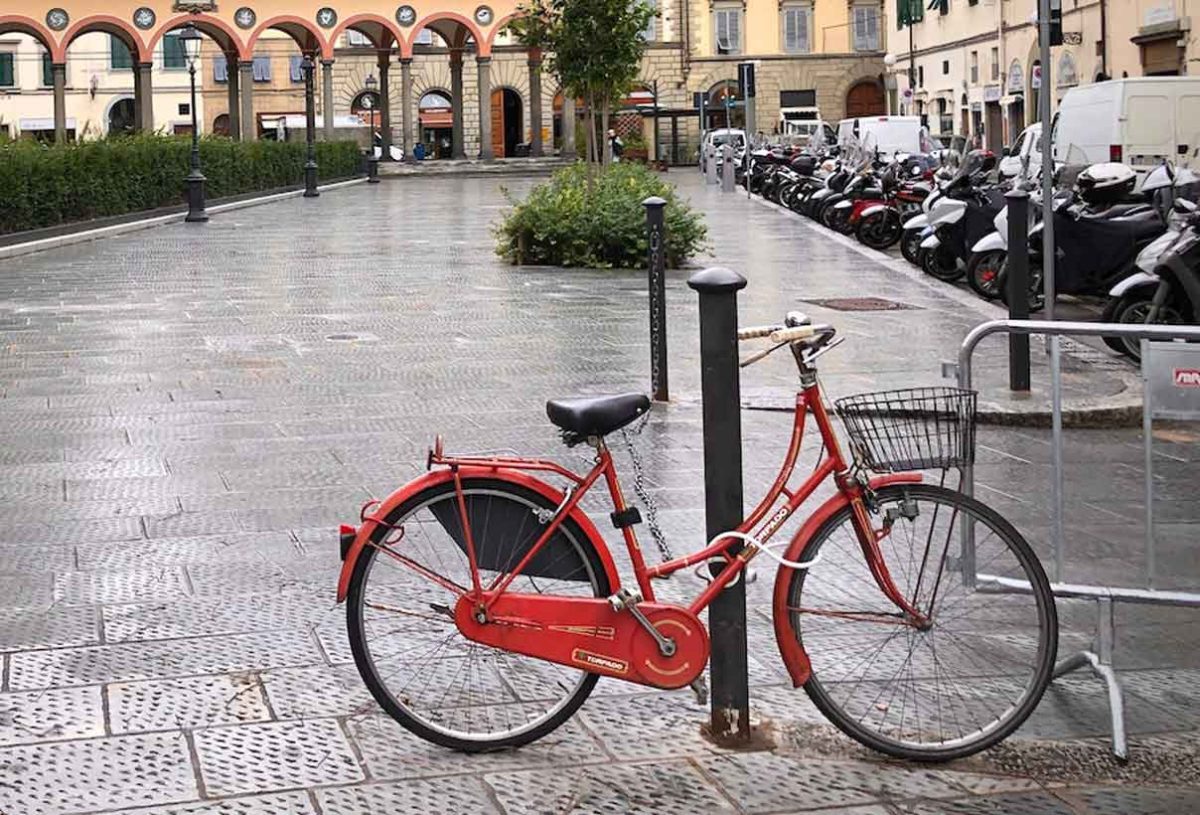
<point x="1161" y="340"/>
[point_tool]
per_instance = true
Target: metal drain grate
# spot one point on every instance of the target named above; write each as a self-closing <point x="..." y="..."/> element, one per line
<point x="862" y="304"/>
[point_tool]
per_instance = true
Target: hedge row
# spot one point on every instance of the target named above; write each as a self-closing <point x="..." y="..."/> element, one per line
<point x="43" y="186"/>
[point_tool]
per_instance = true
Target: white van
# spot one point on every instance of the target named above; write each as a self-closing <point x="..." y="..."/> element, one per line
<point x="1139" y="121"/>
<point x="892" y="133"/>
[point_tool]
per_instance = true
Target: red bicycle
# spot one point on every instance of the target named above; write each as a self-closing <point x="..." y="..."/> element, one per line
<point x="484" y="604"/>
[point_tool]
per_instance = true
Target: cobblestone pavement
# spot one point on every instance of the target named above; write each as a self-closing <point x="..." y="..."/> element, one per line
<point x="188" y="412"/>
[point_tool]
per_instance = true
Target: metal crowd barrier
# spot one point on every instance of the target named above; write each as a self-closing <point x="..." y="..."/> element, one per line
<point x="1161" y="351"/>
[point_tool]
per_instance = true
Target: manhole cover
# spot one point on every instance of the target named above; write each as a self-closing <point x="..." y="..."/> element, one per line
<point x="861" y="304"/>
<point x="348" y="337"/>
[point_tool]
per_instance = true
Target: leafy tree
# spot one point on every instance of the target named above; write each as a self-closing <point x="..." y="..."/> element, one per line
<point x="595" y="50"/>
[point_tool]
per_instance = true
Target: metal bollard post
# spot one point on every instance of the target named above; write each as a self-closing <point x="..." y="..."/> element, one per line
<point x="1018" y="287"/>
<point x="723" y="494"/>
<point x="727" y="171"/>
<point x="372" y="170"/>
<point x="656" y="232"/>
<point x="710" y="164"/>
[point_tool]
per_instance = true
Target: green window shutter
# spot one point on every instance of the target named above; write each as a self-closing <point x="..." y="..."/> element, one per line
<point x="47" y="70"/>
<point x="909" y="12"/>
<point x="119" y="55"/>
<point x="6" y="70"/>
<point x="173" y="54"/>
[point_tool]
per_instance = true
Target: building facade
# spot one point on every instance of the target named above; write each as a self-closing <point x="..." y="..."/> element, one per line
<point x="973" y="67"/>
<point x="451" y="78"/>
<point x="98" y="89"/>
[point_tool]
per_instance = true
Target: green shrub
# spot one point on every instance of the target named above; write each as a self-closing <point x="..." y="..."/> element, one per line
<point x="561" y="224"/>
<point x="45" y="185"/>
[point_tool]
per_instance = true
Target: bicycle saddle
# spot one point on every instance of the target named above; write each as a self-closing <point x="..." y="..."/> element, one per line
<point x="586" y="416"/>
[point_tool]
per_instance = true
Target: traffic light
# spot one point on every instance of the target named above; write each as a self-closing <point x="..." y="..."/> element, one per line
<point x="1056" y="32"/>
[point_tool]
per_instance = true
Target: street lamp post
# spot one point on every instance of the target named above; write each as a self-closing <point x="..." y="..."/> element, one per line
<point x="308" y="65"/>
<point x="190" y="39"/>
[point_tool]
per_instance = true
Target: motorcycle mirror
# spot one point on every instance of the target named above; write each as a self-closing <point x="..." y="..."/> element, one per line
<point x="1005" y="152"/>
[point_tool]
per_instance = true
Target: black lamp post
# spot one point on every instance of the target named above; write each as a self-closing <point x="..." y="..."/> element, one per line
<point x="308" y="65"/>
<point x="190" y="39"/>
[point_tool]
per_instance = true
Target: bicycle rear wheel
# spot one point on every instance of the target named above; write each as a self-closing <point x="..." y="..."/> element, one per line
<point x="400" y="614"/>
<point x="935" y="693"/>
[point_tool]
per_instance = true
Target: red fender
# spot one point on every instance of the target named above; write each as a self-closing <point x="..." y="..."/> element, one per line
<point x="794" y="656"/>
<point x="364" y="532"/>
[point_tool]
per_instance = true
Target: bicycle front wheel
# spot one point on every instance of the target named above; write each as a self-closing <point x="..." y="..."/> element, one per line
<point x="400" y="614"/>
<point x="960" y="682"/>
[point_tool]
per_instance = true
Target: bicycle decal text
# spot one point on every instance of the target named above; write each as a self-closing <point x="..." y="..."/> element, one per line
<point x="618" y="666"/>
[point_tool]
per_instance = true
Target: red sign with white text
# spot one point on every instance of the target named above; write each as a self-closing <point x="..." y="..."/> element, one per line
<point x="1186" y="377"/>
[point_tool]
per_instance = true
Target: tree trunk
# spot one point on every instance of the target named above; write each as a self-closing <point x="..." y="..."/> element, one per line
<point x="604" y="116"/>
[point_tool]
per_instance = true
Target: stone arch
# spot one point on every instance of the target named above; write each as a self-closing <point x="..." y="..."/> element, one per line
<point x="305" y="34"/>
<point x="382" y="32"/>
<point x="119" y="99"/>
<point x="500" y="25"/>
<point x="215" y="29"/>
<point x="452" y="27"/>
<point x="110" y="25"/>
<point x="25" y="25"/>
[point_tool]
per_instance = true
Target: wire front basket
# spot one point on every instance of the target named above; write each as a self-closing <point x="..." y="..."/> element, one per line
<point x="911" y="429"/>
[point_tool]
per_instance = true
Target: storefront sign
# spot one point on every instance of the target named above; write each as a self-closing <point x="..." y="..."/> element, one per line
<point x="991" y="93"/>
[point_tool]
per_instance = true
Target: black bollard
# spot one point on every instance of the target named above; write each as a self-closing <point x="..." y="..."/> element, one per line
<point x="723" y="495"/>
<point x="656" y="233"/>
<point x="372" y="170"/>
<point x="1018" y="287"/>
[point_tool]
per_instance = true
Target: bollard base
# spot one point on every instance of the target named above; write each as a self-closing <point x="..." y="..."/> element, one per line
<point x="761" y="737"/>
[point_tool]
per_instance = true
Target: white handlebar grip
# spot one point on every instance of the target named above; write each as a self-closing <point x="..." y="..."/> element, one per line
<point x="754" y="332"/>
<point x="800" y="332"/>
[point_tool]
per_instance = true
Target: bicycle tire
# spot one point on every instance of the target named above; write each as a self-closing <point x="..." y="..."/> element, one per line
<point x="359" y="645"/>
<point x="947" y="749"/>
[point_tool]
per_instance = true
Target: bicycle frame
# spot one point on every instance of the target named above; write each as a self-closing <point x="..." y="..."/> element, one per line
<point x="757" y="529"/>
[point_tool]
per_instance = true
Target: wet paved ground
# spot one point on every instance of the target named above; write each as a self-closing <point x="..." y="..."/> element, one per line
<point x="184" y="424"/>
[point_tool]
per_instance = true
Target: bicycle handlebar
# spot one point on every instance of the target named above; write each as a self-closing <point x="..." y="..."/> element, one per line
<point x="755" y="332"/>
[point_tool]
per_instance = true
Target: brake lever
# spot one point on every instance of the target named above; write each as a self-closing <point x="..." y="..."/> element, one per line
<point x="827" y="347"/>
<point x="753" y="358"/>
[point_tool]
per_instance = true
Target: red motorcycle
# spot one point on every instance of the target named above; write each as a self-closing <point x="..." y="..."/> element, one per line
<point x="878" y="223"/>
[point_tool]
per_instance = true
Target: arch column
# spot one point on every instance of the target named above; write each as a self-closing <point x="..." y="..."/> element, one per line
<point x="484" y="66"/>
<point x="456" y="103"/>
<point x="249" y="128"/>
<point x="406" y="87"/>
<point x="327" y="97"/>
<point x="385" y="106"/>
<point x="535" y="102"/>
<point x="232" y="77"/>
<point x="568" y="127"/>
<point x="144" y="96"/>
<point x="59" y="71"/>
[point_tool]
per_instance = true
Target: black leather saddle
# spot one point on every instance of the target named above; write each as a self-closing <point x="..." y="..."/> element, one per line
<point x="587" y="416"/>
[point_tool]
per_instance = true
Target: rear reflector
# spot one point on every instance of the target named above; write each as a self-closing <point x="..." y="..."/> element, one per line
<point x="346" y="535"/>
<point x="1115" y="153"/>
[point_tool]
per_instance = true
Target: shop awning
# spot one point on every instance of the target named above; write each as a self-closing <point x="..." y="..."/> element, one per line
<point x="437" y="118"/>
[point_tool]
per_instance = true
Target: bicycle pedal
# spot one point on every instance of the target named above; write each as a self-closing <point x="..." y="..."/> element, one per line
<point x="700" y="688"/>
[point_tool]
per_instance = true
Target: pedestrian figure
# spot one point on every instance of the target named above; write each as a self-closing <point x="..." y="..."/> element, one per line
<point x="616" y="146"/>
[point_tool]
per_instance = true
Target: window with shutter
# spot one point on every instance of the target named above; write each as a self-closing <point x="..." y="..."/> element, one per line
<point x="294" y="69"/>
<point x="866" y="28"/>
<point x="727" y="27"/>
<point x="118" y="53"/>
<point x="7" y="77"/>
<point x="47" y="70"/>
<point x="173" y="54"/>
<point x="220" y="68"/>
<point x="648" y="34"/>
<point x="262" y="69"/>
<point x="795" y="29"/>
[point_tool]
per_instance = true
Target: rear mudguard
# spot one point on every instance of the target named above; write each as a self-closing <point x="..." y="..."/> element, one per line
<point x="931" y="242"/>
<point x="991" y="242"/>
<point x="362" y="535"/>
<point x="794" y="656"/>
